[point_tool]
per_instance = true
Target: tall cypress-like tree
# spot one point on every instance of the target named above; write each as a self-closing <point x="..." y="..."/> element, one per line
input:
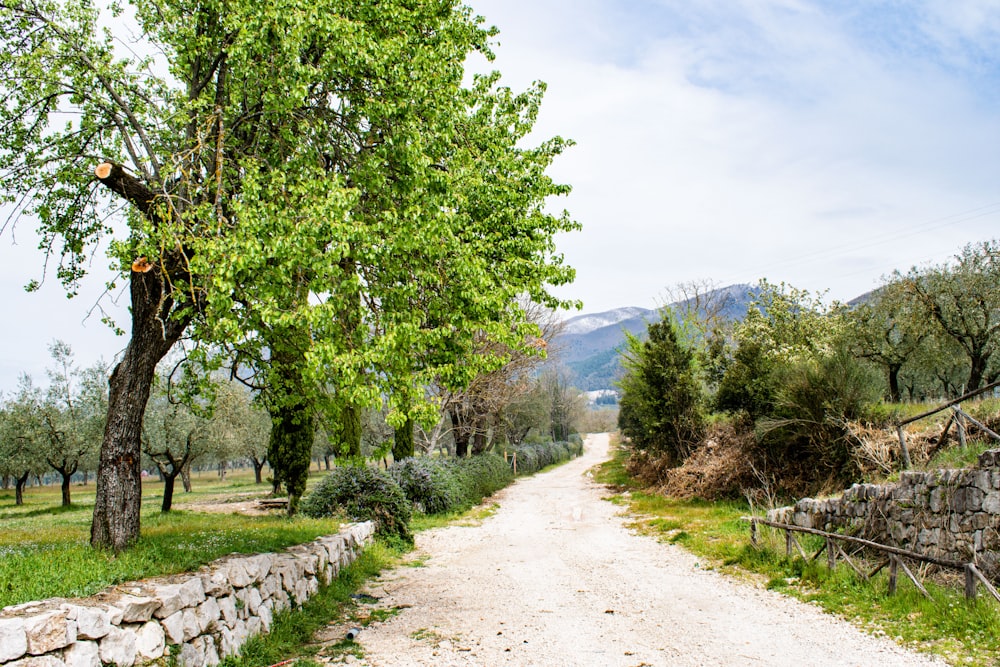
<point x="660" y="408"/>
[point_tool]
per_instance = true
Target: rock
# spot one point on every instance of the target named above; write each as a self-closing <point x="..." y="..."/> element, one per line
<point x="208" y="614"/>
<point x="49" y="631"/>
<point x="174" y="597"/>
<point x="150" y="641"/>
<point x="13" y="640"/>
<point x="991" y="503"/>
<point x="173" y="627"/>
<point x="192" y="628"/>
<point x="227" y="607"/>
<point x="191" y="657"/>
<point x="118" y="647"/>
<point x="215" y="583"/>
<point x="82" y="654"/>
<point x="206" y="644"/>
<point x="236" y="573"/>
<point x="135" y="609"/>
<point x="91" y="622"/>
<point x="257" y="567"/>
<point x="266" y="618"/>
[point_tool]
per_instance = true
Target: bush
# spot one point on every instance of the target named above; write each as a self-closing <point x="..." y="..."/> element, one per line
<point x="363" y="494"/>
<point x="432" y="485"/>
<point x="484" y="475"/>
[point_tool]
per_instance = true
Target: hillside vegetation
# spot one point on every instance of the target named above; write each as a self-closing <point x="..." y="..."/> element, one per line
<point x="801" y="396"/>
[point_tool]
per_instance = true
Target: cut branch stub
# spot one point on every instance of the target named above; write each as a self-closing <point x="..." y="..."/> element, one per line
<point x="103" y="170"/>
<point x="142" y="265"/>
<point x="128" y="187"/>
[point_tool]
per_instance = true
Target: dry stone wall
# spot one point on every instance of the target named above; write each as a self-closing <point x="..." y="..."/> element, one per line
<point x="953" y="514"/>
<point x="199" y="618"/>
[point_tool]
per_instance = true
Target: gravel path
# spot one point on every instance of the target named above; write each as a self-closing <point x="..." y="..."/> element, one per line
<point x="554" y="578"/>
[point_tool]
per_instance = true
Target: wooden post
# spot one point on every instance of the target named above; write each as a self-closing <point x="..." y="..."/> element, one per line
<point x="960" y="424"/>
<point x="753" y="533"/>
<point x="893" y="573"/>
<point x="831" y="553"/>
<point x="788" y="543"/>
<point x="970" y="582"/>
<point x="903" y="448"/>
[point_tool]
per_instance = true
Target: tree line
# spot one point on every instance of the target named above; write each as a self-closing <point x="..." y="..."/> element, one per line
<point x="796" y="370"/>
<point x="57" y="430"/>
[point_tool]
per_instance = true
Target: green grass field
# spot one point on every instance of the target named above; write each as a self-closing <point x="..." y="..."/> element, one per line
<point x="45" y="548"/>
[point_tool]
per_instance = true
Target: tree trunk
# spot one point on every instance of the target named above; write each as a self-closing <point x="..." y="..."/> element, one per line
<point x="258" y="467"/>
<point x="979" y="362"/>
<point x="350" y="418"/>
<point x="66" y="501"/>
<point x="894" y="393"/>
<point x="460" y="435"/>
<point x="119" y="475"/>
<point x="19" y="484"/>
<point x="168" y="490"/>
<point x="402" y="441"/>
<point x="186" y="477"/>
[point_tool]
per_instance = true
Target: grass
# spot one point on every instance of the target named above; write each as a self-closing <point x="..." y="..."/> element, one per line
<point x="962" y="632"/>
<point x="45" y="550"/>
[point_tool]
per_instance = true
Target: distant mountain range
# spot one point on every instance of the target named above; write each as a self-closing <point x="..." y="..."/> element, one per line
<point x="589" y="346"/>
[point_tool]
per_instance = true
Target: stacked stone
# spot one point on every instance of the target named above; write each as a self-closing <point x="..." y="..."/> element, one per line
<point x="199" y="617"/>
<point x="952" y="514"/>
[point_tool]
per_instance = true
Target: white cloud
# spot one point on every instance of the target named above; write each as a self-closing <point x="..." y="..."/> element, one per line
<point x="737" y="140"/>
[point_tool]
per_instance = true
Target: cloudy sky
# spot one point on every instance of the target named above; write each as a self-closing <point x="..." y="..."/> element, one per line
<point x="823" y="144"/>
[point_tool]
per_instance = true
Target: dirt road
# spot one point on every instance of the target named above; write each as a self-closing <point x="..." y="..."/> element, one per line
<point x="553" y="578"/>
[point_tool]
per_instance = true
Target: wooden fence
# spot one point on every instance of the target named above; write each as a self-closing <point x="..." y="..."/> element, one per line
<point x="894" y="557"/>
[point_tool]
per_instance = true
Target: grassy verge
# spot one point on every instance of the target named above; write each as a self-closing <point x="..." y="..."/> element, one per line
<point x="962" y="632"/>
<point x="45" y="550"/>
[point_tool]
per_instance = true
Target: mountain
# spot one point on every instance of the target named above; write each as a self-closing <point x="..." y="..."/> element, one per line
<point x="590" y="346"/>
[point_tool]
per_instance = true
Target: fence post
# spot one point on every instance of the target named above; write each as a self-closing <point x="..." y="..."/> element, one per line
<point x="970" y="582"/>
<point x="753" y="533"/>
<point x="788" y="543"/>
<point x="893" y="572"/>
<point x="903" y="448"/>
<point x="831" y="553"/>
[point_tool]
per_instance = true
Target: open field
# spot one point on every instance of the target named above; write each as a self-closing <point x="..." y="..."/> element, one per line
<point x="45" y="551"/>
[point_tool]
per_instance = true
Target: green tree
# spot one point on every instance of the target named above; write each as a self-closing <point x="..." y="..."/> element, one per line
<point x="963" y="299"/>
<point x="175" y="434"/>
<point x="21" y="441"/>
<point x="887" y="330"/>
<point x="661" y="402"/>
<point x="339" y="133"/>
<point x="783" y="326"/>
<point x="71" y="415"/>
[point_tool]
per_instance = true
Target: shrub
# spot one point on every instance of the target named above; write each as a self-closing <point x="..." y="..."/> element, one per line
<point x="484" y="475"/>
<point x="432" y="485"/>
<point x="363" y="494"/>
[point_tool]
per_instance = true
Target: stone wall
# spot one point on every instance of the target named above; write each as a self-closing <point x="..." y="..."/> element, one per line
<point x="953" y="514"/>
<point x="198" y="617"/>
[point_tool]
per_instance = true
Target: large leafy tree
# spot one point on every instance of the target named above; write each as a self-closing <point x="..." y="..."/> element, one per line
<point x="287" y="172"/>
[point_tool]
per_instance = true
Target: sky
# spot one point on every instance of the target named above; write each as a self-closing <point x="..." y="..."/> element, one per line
<point x="823" y="144"/>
